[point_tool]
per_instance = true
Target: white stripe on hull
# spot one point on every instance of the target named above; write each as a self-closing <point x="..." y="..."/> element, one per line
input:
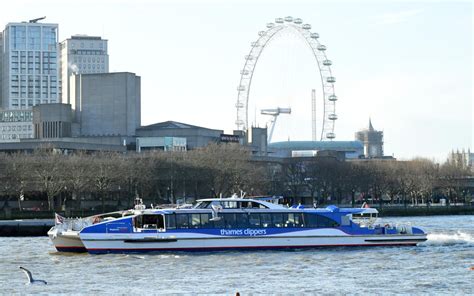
<point x="249" y="242"/>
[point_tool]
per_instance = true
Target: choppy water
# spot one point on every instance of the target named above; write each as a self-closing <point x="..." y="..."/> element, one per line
<point x="439" y="266"/>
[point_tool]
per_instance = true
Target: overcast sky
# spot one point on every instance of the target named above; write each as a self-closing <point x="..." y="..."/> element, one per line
<point x="406" y="65"/>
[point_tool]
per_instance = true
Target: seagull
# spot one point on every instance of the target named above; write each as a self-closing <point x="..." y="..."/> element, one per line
<point x="30" y="277"/>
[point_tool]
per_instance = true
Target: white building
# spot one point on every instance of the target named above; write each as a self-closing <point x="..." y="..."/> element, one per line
<point x="29" y="65"/>
<point x="81" y="54"/>
<point x="15" y="125"/>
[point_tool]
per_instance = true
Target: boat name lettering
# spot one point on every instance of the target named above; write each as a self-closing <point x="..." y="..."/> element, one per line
<point x="244" y="232"/>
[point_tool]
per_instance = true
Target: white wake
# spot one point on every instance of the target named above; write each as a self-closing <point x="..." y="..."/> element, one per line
<point x="450" y="239"/>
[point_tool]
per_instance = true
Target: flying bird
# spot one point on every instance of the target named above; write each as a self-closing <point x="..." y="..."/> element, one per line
<point x="30" y="277"/>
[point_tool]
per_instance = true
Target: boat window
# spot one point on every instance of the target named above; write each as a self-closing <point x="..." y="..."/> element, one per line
<point x="318" y="221"/>
<point x="310" y="220"/>
<point x="254" y="220"/>
<point x="149" y="221"/>
<point x="230" y="220"/>
<point x="230" y="204"/>
<point x="294" y="220"/>
<point x="182" y="221"/>
<point x="219" y="223"/>
<point x="266" y="220"/>
<point x="194" y="220"/>
<point x="203" y="205"/>
<point x="205" y="221"/>
<point x="242" y="220"/>
<point x="277" y="219"/>
<point x="170" y="221"/>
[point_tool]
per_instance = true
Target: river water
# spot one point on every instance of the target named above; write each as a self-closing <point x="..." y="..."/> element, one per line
<point x="439" y="266"/>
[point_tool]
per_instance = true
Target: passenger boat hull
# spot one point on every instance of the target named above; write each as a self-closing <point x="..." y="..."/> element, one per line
<point x="118" y="245"/>
<point x="66" y="241"/>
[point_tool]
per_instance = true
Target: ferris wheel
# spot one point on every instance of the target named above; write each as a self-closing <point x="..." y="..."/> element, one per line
<point x="324" y="67"/>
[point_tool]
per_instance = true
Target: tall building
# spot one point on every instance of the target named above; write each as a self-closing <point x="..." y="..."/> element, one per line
<point x="30" y="65"/>
<point x="372" y="140"/>
<point x="81" y="54"/>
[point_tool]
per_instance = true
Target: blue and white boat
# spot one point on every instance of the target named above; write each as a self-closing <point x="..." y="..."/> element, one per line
<point x="243" y="223"/>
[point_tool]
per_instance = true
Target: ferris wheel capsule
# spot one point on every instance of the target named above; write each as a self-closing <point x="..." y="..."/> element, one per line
<point x="332" y="98"/>
<point x="288" y="19"/>
<point x="239" y="105"/>
<point x="279" y="20"/>
<point x="298" y="21"/>
<point x="307" y="26"/>
<point x="249" y="57"/>
<point x="330" y="135"/>
<point x="327" y="62"/>
<point x="321" y="47"/>
<point x="241" y="88"/>
<point x="255" y="44"/>
<point x="314" y="35"/>
<point x="262" y="33"/>
<point x="244" y="72"/>
<point x="270" y="25"/>
<point x="332" y="116"/>
<point x="331" y="79"/>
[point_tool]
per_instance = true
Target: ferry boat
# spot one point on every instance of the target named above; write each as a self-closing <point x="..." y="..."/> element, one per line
<point x="243" y="223"/>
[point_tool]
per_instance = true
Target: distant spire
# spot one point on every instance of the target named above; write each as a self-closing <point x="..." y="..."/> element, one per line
<point x="371" y="128"/>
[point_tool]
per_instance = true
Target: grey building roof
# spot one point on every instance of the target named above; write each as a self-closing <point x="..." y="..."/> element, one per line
<point x="170" y="125"/>
<point x="317" y="145"/>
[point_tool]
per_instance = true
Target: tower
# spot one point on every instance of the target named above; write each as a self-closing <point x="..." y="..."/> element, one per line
<point x="372" y="140"/>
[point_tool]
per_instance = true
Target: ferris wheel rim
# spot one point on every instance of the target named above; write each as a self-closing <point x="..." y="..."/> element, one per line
<point x="319" y="52"/>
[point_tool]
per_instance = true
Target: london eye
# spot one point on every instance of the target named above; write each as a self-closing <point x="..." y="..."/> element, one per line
<point x="318" y="50"/>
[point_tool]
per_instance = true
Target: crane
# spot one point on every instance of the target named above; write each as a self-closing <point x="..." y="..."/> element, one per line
<point x="274" y="113"/>
<point x="37" y="19"/>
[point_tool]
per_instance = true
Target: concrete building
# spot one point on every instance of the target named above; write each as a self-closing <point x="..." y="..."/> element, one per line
<point x="29" y="65"/>
<point x="106" y="104"/>
<point x="344" y="149"/>
<point x="372" y="140"/>
<point x="52" y="121"/>
<point x="195" y="136"/>
<point x="81" y="54"/>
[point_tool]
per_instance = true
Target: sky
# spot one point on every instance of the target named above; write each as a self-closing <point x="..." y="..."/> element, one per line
<point x="407" y="65"/>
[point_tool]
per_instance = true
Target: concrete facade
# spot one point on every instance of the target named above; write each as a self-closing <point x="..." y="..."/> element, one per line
<point x="81" y="54"/>
<point x="52" y="121"/>
<point x="106" y="104"/>
<point x="195" y="136"/>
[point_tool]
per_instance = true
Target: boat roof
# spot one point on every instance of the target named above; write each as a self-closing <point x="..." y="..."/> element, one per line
<point x="238" y="199"/>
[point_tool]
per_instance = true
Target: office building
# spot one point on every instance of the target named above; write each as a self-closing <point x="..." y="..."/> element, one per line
<point x="29" y="65"/>
<point x="81" y="54"/>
